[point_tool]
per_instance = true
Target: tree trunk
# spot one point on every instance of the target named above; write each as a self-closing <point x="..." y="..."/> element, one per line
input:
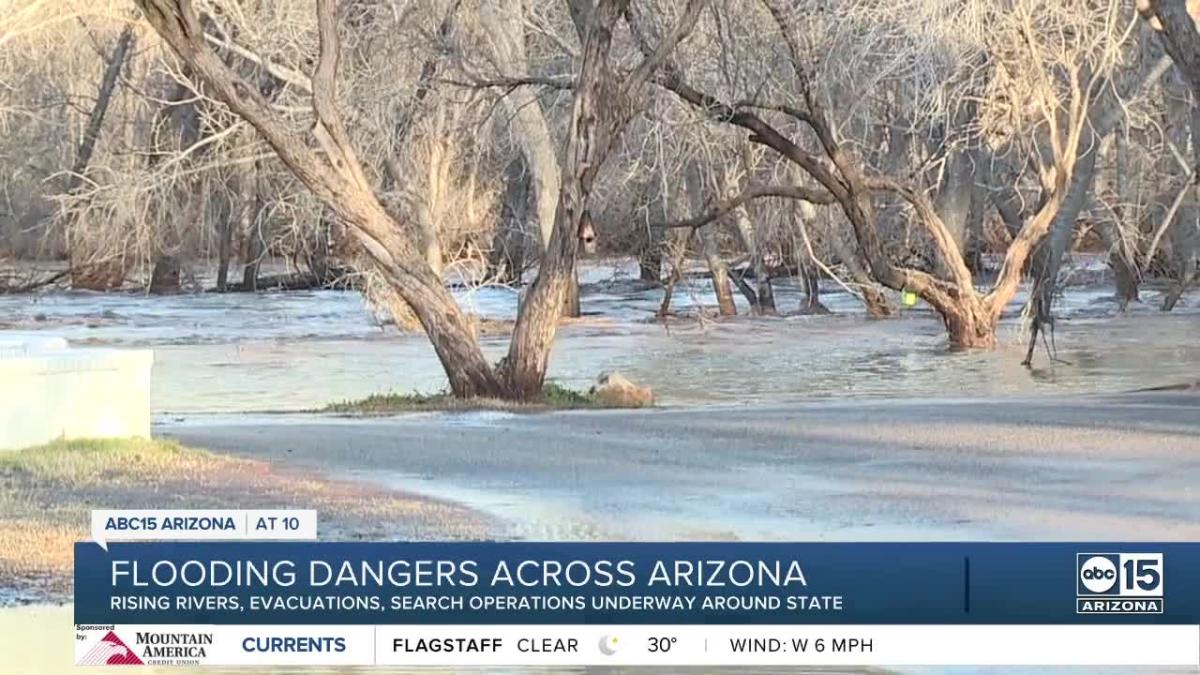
<point x="976" y="243"/>
<point x="806" y="263"/>
<point x="764" y="296"/>
<point x="873" y="300"/>
<point x="86" y="273"/>
<point x="572" y="307"/>
<point x="1176" y="20"/>
<point x="1125" y="276"/>
<point x="1187" y="275"/>
<point x="812" y="289"/>
<point x="718" y="270"/>
<point x="166" y="274"/>
<point x="1048" y="260"/>
<point x="1186" y="244"/>
<point x="650" y="259"/>
<point x="676" y="242"/>
<point x="504" y="20"/>
<point x="224" y="250"/>
<point x="257" y="237"/>
<point x="709" y="243"/>
<point x="242" y="221"/>
<point x="165" y="278"/>
<point x="970" y="325"/>
<point x="108" y="85"/>
<point x="1121" y="255"/>
<point x="953" y="202"/>
<point x="596" y="121"/>
<point x="653" y="241"/>
<point x="506" y="261"/>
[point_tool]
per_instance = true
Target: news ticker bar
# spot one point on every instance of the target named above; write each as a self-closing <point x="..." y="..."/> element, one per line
<point x="639" y="645"/>
<point x="701" y="584"/>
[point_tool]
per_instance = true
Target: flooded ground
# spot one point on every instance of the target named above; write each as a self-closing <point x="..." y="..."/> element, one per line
<point x="301" y="350"/>
<point x="833" y="470"/>
<point x="1089" y="468"/>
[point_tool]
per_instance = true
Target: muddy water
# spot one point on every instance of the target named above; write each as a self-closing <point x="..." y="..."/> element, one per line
<point x="292" y="351"/>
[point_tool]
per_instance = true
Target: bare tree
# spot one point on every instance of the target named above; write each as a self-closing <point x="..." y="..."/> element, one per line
<point x="1069" y="75"/>
<point x="1176" y="20"/>
<point x="325" y="160"/>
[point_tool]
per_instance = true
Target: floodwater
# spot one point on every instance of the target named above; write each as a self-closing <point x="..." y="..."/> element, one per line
<point x="294" y="351"/>
<point x="302" y="350"/>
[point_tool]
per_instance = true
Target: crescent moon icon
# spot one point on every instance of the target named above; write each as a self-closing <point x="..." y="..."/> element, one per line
<point x="608" y="645"/>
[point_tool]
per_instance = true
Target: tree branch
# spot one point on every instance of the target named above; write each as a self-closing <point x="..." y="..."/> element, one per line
<point x="653" y="59"/>
<point x="927" y="214"/>
<point x="751" y="192"/>
<point x="1173" y="18"/>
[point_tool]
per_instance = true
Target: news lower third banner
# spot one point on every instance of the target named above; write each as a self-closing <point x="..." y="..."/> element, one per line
<point x="528" y="604"/>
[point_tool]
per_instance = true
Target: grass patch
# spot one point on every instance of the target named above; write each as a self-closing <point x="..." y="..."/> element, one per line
<point x="87" y="462"/>
<point x="554" y="397"/>
<point x="49" y="492"/>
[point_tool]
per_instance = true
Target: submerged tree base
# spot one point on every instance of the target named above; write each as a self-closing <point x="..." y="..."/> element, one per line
<point x="553" y="397"/>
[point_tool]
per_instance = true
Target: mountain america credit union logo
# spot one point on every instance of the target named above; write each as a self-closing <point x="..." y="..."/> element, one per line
<point x="1119" y="583"/>
<point x="110" y="651"/>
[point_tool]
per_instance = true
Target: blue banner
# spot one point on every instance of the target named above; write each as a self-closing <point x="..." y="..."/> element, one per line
<point x="636" y="583"/>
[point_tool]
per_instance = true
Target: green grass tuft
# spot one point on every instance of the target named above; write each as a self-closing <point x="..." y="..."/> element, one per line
<point x="554" y="397"/>
<point x="392" y="402"/>
<point x="557" y="396"/>
<point x="92" y="461"/>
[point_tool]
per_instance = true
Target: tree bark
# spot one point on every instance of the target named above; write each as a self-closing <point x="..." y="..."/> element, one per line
<point x="594" y="126"/>
<point x="709" y="243"/>
<point x="1176" y="21"/>
<point x="1048" y="261"/>
<point x="601" y="108"/>
<point x="225" y="228"/>
<point x="504" y="20"/>
<point x="650" y="258"/>
<point x="1186" y="247"/>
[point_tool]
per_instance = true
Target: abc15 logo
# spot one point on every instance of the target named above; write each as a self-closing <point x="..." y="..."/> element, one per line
<point x="1120" y="574"/>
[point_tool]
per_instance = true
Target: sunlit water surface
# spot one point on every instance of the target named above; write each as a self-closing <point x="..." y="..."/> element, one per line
<point x="302" y="350"/>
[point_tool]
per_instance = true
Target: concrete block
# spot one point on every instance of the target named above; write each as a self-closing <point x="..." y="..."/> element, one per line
<point x="50" y="391"/>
